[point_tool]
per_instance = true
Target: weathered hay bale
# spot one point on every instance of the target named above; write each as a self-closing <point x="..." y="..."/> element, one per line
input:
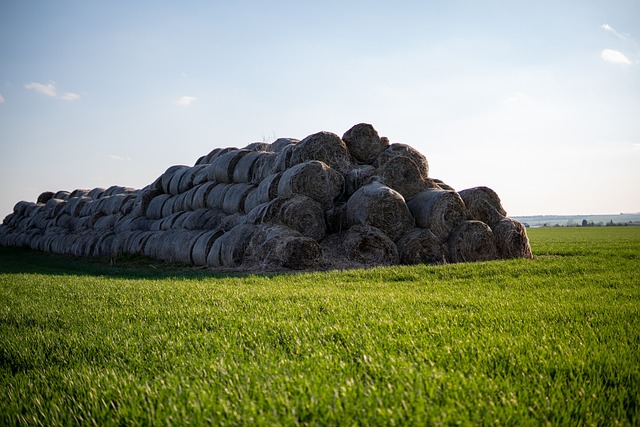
<point x="208" y="157"/>
<point x="45" y="197"/>
<point x="203" y="244"/>
<point x="379" y="206"/>
<point x="176" y="177"/>
<point x="204" y="219"/>
<point x="181" y="245"/>
<point x="188" y="178"/>
<point x="74" y="205"/>
<point x="21" y="207"/>
<point x="437" y="210"/>
<point x="326" y="147"/>
<point x="80" y="192"/>
<point x="364" y="143"/>
<point x="299" y="213"/>
<point x="106" y="222"/>
<point x="234" y="198"/>
<point x="231" y="221"/>
<point x="441" y="184"/>
<point x="222" y="167"/>
<point x="263" y="167"/>
<point x="118" y="243"/>
<point x="369" y="246"/>
<point x="277" y="145"/>
<point x="145" y="195"/>
<point x="282" y="161"/>
<point x="420" y="246"/>
<point x="257" y="146"/>
<point x="483" y="204"/>
<point x="53" y="207"/>
<point x="274" y="246"/>
<point x="267" y="190"/>
<point x="472" y="241"/>
<point x="396" y="149"/>
<point x="96" y="193"/>
<point x="511" y="240"/>
<point x="403" y="175"/>
<point x="172" y="221"/>
<point x="167" y="177"/>
<point x="103" y="245"/>
<point x="228" y="250"/>
<point x="199" y="199"/>
<point x="118" y="189"/>
<point x="314" y="179"/>
<point x="243" y="171"/>
<point x="357" y="177"/>
<point x="62" y="195"/>
<point x="152" y="243"/>
<point x="215" y="198"/>
<point x="336" y="218"/>
<point x="154" y="210"/>
<point x="63" y="220"/>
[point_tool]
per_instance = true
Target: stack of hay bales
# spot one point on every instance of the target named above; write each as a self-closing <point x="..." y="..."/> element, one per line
<point x="321" y="202"/>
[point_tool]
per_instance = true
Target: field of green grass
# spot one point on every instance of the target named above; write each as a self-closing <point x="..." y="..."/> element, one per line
<point x="554" y="340"/>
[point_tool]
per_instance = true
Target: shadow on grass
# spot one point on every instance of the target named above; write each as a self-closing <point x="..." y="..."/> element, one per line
<point x="23" y="260"/>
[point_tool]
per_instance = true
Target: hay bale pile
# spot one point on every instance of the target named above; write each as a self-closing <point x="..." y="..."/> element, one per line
<point x="322" y="202"/>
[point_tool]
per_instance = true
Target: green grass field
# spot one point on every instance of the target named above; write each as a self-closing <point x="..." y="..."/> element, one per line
<point x="554" y="340"/>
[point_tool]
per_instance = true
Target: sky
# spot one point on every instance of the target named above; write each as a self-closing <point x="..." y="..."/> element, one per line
<point x="539" y="101"/>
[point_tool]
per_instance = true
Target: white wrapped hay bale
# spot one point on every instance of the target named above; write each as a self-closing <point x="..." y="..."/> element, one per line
<point x="438" y="210"/>
<point x="379" y="206"/>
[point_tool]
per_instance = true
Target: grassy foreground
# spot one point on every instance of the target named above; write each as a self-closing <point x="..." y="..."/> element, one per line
<point x="555" y="340"/>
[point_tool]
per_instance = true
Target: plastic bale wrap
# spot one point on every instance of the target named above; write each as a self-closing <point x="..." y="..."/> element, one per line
<point x="263" y="166"/>
<point x="314" y="179"/>
<point x="511" y="239"/>
<point x="437" y="210"/>
<point x="357" y="177"/>
<point x="228" y="250"/>
<point x="203" y="244"/>
<point x="299" y="213"/>
<point x="235" y="197"/>
<point x="472" y="241"/>
<point x="364" y="143"/>
<point x="274" y="246"/>
<point x="404" y="150"/>
<point x="483" y="204"/>
<point x="403" y="175"/>
<point x="379" y="206"/>
<point x="421" y="246"/>
<point x="326" y="147"/>
<point x="221" y="169"/>
<point x="243" y="171"/>
<point x="369" y="246"/>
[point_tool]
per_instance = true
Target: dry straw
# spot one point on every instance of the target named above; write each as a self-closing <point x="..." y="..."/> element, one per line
<point x="472" y="241"/>
<point x="437" y="210"/>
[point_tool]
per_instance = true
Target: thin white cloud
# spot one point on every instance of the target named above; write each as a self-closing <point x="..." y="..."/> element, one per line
<point x="614" y="57"/>
<point x="610" y="29"/>
<point x="119" y="158"/>
<point x="1" y="99"/>
<point x="50" y="89"/>
<point x="186" y="100"/>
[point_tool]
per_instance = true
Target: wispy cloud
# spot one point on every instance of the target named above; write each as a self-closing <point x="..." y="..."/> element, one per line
<point x="119" y="158"/>
<point x="50" y="89"/>
<point x="186" y="100"/>
<point x="1" y="99"/>
<point x="614" y="57"/>
<point x="610" y="29"/>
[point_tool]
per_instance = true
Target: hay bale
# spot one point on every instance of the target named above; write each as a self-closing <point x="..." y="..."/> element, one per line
<point x="357" y="177"/>
<point x="369" y="246"/>
<point x="234" y="198"/>
<point x="282" y="160"/>
<point x="483" y="204"/>
<point x="442" y="185"/>
<point x="420" y="246"/>
<point x="472" y="241"/>
<point x="364" y="143"/>
<point x="45" y="197"/>
<point x="379" y="206"/>
<point x="167" y="176"/>
<point x="438" y="210"/>
<point x="96" y="193"/>
<point x="215" y="198"/>
<point x="299" y="213"/>
<point x="187" y="181"/>
<point x="511" y="240"/>
<point x="231" y="221"/>
<point x="275" y="246"/>
<point x="336" y="218"/>
<point x="53" y="207"/>
<point x="395" y="150"/>
<point x="243" y="171"/>
<point x="277" y="145"/>
<point x="263" y="167"/>
<point x="201" y="192"/>
<point x="222" y="167"/>
<point x="403" y="175"/>
<point x="62" y="195"/>
<point x="326" y="147"/>
<point x="258" y="146"/>
<point x="80" y="192"/>
<point x="314" y="179"/>
<point x="203" y="244"/>
<point x="154" y="209"/>
<point x="228" y="250"/>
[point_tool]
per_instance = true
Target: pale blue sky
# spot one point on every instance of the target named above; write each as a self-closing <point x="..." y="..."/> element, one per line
<point x="538" y="100"/>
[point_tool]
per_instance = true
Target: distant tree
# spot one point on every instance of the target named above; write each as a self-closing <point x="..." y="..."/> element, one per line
<point x="585" y="223"/>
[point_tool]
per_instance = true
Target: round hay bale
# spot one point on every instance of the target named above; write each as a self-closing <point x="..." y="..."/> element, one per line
<point x="215" y="198"/>
<point x="182" y="202"/>
<point x="210" y="219"/>
<point x="258" y="146"/>
<point x="420" y="246"/>
<point x="188" y="177"/>
<point x="228" y="250"/>
<point x="172" y="221"/>
<point x="152" y="244"/>
<point x="79" y="193"/>
<point x="144" y="197"/>
<point x="201" y="176"/>
<point x="252" y="200"/>
<point x="369" y="246"/>
<point x="104" y="244"/>
<point x="511" y="240"/>
<point x="364" y="143"/>
<point x="96" y="193"/>
<point x="403" y="175"/>
<point x="234" y="198"/>
<point x="326" y="147"/>
<point x="21" y="207"/>
<point x="62" y="195"/>
<point x="168" y="207"/>
<point x="136" y="243"/>
<point x="63" y="220"/>
<point x="202" y="246"/>
<point x="263" y="167"/>
<point x="395" y="150"/>
<point x="277" y="145"/>
<point x="442" y="185"/>
<point x="274" y="247"/>
<point x="105" y="222"/>
<point x="53" y="207"/>
<point x="472" y="241"/>
<point x="211" y="155"/>
<point x="154" y="210"/>
<point x="299" y="213"/>
<point x="336" y="218"/>
<point x="45" y="197"/>
<point x="437" y="210"/>
<point x="243" y="171"/>
<point x="255" y="215"/>
<point x="483" y="204"/>
<point x="357" y="177"/>
<point x="221" y="169"/>
<point x="174" y="182"/>
<point x="314" y="179"/>
<point x="167" y="177"/>
<point x="231" y="221"/>
<point x="282" y="160"/>
<point x="181" y="245"/>
<point x="379" y="206"/>
<point x="199" y="199"/>
<point x="202" y="161"/>
<point x="268" y="188"/>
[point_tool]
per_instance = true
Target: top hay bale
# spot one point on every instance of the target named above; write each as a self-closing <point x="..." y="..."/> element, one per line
<point x="364" y="143"/>
<point x="326" y="147"/>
